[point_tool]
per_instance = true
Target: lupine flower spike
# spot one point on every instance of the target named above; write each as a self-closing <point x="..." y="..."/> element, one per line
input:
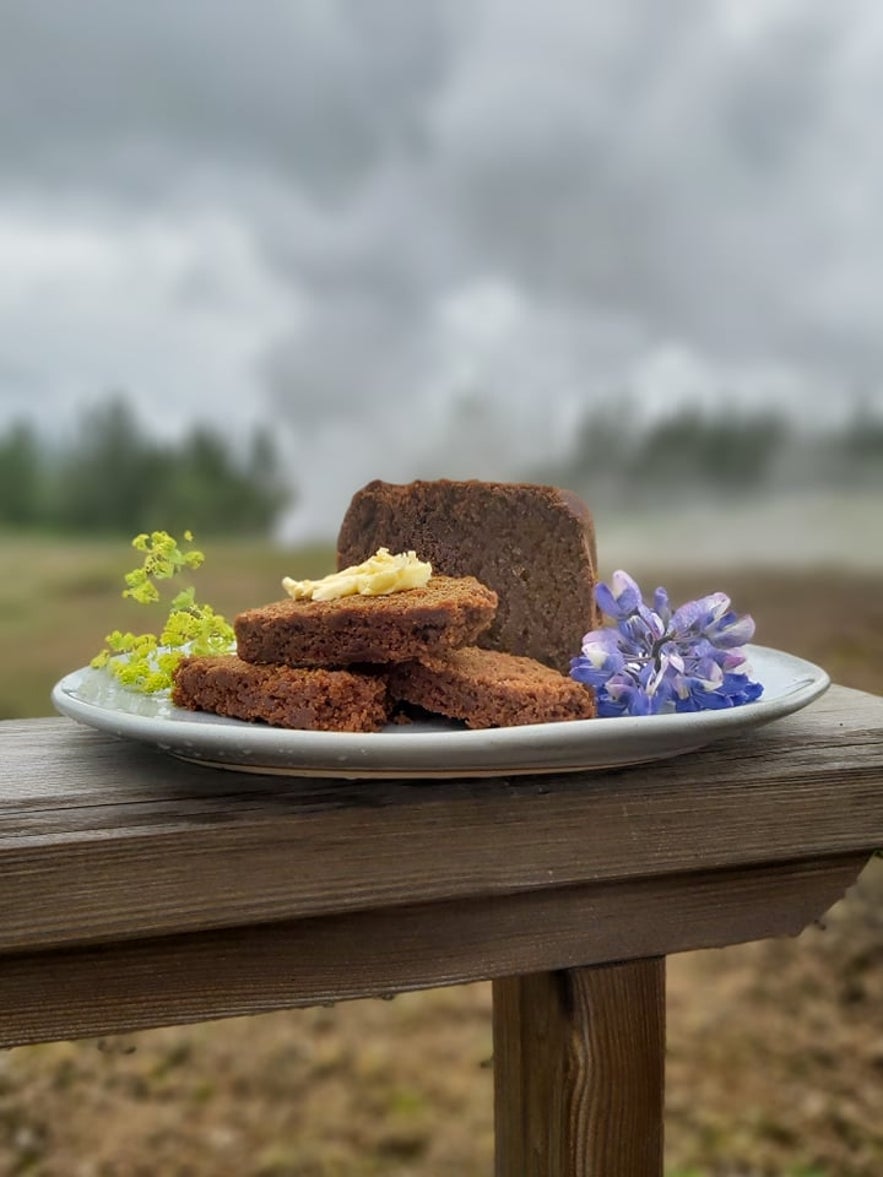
<point x="655" y="659"/>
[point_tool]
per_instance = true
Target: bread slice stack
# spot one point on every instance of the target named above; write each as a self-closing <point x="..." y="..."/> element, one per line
<point x="486" y="641"/>
<point x="318" y="664"/>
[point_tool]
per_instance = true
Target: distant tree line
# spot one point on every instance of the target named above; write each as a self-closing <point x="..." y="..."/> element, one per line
<point x="115" y="478"/>
<point x="729" y="453"/>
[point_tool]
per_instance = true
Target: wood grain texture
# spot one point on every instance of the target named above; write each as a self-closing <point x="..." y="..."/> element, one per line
<point x="102" y="840"/>
<point x="112" y="988"/>
<point x="579" y="1072"/>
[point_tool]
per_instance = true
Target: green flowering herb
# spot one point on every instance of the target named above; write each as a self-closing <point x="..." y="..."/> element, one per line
<point x="145" y="662"/>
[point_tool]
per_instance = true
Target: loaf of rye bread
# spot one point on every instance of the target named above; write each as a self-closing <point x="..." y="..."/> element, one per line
<point x="445" y="613"/>
<point x="533" y="545"/>
<point x="304" y="699"/>
<point x="487" y="688"/>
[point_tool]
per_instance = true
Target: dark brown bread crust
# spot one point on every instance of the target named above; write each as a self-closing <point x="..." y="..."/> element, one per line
<point x="486" y="688"/>
<point x="315" y="700"/>
<point x="533" y="545"/>
<point x="448" y="612"/>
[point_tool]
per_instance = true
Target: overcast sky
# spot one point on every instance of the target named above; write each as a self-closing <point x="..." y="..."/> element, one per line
<point x="391" y="225"/>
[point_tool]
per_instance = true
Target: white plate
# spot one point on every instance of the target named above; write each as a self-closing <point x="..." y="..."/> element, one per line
<point x="426" y="751"/>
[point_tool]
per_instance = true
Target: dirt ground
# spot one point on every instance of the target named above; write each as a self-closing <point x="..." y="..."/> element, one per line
<point x="775" y="1061"/>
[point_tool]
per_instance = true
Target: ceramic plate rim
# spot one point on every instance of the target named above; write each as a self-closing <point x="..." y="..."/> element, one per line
<point x="436" y="752"/>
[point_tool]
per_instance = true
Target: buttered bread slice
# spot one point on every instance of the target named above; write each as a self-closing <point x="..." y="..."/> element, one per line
<point x="445" y="613"/>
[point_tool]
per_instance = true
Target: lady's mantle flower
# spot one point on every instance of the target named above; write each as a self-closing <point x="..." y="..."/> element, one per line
<point x="656" y="659"/>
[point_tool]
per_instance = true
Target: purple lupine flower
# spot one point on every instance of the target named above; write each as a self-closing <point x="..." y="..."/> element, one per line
<point x="621" y="599"/>
<point x="656" y="659"/>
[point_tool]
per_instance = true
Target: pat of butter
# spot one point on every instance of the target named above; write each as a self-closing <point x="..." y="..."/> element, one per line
<point x="380" y="574"/>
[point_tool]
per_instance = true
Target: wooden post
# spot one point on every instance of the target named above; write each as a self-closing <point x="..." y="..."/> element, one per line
<point x="579" y="1058"/>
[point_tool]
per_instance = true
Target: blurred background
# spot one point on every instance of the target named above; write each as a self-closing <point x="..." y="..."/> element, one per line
<point x="632" y="248"/>
<point x="254" y="255"/>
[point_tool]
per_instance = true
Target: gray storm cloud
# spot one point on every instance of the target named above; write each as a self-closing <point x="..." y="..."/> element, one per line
<point x="424" y="236"/>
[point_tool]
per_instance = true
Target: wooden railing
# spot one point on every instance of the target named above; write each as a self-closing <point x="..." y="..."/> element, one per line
<point x="136" y="891"/>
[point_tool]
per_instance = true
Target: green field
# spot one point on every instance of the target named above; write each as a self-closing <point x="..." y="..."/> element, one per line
<point x="775" y="1062"/>
<point x="59" y="598"/>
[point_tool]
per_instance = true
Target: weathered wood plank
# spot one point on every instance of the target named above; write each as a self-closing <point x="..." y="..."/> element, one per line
<point x="133" y="985"/>
<point x="102" y="840"/>
<point x="50" y="766"/>
<point x="579" y="1071"/>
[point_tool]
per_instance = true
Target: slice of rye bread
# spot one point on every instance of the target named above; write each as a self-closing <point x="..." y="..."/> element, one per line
<point x="487" y="688"/>
<point x="533" y="545"/>
<point x="305" y="699"/>
<point x="446" y="612"/>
